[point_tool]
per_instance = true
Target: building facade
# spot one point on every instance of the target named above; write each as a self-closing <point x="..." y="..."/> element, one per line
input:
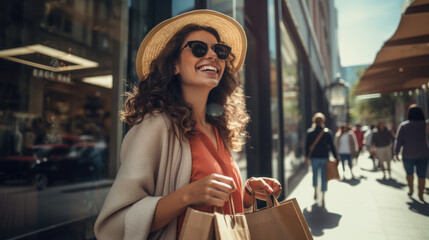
<point x="65" y="65"/>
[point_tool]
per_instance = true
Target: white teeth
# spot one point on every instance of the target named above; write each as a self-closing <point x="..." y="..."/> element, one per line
<point x="208" y="68"/>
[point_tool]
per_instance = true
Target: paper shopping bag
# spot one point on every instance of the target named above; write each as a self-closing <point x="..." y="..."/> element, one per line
<point x="332" y="170"/>
<point x="231" y="227"/>
<point x="197" y="225"/>
<point x="278" y="221"/>
<point x="219" y="226"/>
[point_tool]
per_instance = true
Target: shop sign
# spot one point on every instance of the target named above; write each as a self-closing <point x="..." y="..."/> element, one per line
<point x="40" y="73"/>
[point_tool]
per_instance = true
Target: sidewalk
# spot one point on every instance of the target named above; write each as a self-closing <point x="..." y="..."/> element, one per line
<point x="366" y="207"/>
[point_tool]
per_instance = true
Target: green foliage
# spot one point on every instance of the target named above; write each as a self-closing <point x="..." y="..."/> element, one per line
<point x="371" y="110"/>
<point x="378" y="108"/>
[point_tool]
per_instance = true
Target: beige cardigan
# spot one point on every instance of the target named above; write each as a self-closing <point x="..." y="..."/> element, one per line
<point x="352" y="143"/>
<point x="154" y="163"/>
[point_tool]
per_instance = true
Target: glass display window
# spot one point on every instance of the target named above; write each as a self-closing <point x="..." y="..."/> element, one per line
<point x="56" y="63"/>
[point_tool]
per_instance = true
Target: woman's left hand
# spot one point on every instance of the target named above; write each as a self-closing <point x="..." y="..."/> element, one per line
<point x="259" y="186"/>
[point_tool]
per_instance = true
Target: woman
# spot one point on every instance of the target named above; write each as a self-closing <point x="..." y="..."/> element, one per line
<point x="381" y="147"/>
<point x="319" y="153"/>
<point x="411" y="137"/>
<point x="186" y="115"/>
<point x="347" y="147"/>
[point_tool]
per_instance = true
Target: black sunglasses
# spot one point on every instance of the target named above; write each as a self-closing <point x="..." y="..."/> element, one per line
<point x="200" y="49"/>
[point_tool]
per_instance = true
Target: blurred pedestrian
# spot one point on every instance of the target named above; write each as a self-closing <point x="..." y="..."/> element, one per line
<point x="368" y="140"/>
<point x="357" y="130"/>
<point x="319" y="142"/>
<point x="186" y="116"/>
<point x="381" y="147"/>
<point x="392" y="129"/>
<point x="347" y="147"/>
<point x="411" y="137"/>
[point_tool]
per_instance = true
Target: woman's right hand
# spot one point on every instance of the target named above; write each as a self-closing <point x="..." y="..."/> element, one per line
<point x="213" y="190"/>
<point x="307" y="161"/>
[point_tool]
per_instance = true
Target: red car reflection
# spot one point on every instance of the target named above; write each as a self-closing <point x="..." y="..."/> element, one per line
<point x="55" y="163"/>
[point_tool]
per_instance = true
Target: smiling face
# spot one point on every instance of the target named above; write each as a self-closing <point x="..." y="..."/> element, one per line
<point x="204" y="72"/>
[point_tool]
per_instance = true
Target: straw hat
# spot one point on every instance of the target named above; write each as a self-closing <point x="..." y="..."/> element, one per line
<point x="230" y="31"/>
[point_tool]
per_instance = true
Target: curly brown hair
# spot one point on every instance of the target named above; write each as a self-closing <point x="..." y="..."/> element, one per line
<point x="160" y="91"/>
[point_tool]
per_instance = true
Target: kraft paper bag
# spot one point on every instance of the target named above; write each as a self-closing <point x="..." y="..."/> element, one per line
<point x="231" y="227"/>
<point x="332" y="171"/>
<point x="197" y="225"/>
<point x="278" y="221"/>
<point x="207" y="226"/>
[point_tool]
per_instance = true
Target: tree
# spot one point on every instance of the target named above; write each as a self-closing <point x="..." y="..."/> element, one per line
<point x="371" y="110"/>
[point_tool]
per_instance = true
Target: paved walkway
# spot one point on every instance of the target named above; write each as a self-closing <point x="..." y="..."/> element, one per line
<point x="366" y="207"/>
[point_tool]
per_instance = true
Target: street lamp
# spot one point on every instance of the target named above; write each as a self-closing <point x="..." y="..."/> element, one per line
<point x="338" y="98"/>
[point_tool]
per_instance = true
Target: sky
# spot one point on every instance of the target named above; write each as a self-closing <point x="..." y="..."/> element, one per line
<point x="363" y="27"/>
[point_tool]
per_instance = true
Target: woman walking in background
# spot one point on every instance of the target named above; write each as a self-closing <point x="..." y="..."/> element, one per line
<point x="317" y="146"/>
<point x="381" y="147"/>
<point x="411" y="137"/>
<point x="347" y="147"/>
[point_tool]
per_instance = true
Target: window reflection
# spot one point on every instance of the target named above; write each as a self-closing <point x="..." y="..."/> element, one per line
<point x="181" y="6"/>
<point x="56" y="63"/>
<point x="291" y="108"/>
<point x="232" y="8"/>
<point x="274" y="97"/>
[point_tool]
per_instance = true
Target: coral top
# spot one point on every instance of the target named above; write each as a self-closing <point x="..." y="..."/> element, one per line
<point x="206" y="159"/>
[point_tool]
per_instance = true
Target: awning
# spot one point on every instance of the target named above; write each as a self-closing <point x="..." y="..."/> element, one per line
<point x="403" y="61"/>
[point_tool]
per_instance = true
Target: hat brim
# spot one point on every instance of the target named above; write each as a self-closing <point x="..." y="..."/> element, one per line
<point x="230" y="31"/>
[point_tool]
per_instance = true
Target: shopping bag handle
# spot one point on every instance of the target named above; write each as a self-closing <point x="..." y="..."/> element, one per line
<point x="269" y="198"/>
<point x="231" y="205"/>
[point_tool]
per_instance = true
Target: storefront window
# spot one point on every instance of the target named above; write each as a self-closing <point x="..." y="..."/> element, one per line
<point x="56" y="63"/>
<point x="274" y="102"/>
<point x="291" y="112"/>
<point x="181" y="6"/>
<point x="234" y="8"/>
